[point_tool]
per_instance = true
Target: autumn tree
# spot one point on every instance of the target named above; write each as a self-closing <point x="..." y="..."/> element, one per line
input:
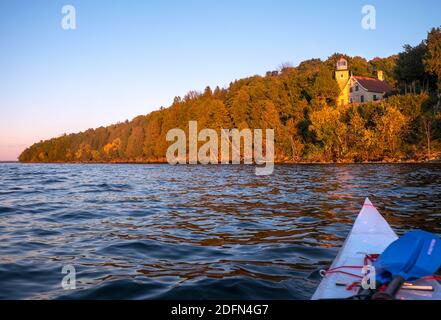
<point x="135" y="144"/>
<point x="410" y="69"/>
<point x="328" y="128"/>
<point x="388" y="66"/>
<point x="391" y="126"/>
<point x="432" y="59"/>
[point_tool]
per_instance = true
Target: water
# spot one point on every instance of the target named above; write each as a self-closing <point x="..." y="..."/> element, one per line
<point x="196" y="232"/>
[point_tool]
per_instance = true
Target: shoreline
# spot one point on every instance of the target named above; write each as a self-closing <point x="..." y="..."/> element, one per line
<point x="438" y="161"/>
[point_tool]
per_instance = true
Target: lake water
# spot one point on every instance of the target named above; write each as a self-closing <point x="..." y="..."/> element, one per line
<point x="197" y="232"/>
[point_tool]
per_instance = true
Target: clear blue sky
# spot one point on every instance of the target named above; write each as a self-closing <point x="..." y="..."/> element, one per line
<point x="129" y="57"/>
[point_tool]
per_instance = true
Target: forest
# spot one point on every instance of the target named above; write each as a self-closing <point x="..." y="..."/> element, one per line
<point x="300" y="104"/>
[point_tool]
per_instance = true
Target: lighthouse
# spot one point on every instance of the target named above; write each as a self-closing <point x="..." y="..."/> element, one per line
<point x="342" y="77"/>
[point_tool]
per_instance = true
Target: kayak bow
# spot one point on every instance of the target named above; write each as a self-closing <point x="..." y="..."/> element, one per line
<point x="370" y="235"/>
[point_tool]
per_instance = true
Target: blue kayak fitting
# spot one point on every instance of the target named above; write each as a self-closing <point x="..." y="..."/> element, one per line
<point x="415" y="255"/>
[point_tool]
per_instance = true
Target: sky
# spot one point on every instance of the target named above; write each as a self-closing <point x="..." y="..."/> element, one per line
<point x="130" y="57"/>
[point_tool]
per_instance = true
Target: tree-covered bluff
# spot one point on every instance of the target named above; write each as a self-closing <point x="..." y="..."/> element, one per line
<point x="300" y="104"/>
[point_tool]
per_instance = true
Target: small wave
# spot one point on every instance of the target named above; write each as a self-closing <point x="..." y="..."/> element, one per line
<point x="104" y="187"/>
<point x="7" y="209"/>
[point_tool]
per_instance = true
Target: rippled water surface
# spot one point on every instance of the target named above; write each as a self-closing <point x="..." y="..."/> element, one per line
<point x="157" y="231"/>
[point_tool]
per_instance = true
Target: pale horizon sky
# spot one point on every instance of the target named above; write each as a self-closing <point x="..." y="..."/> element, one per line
<point x="131" y="57"/>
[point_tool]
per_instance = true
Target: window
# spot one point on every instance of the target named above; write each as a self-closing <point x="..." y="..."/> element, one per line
<point x="350" y="89"/>
<point x="375" y="97"/>
<point x="362" y="98"/>
<point x="342" y="76"/>
<point x="356" y="88"/>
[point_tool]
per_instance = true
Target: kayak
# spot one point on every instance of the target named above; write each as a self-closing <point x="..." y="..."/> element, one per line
<point x="370" y="236"/>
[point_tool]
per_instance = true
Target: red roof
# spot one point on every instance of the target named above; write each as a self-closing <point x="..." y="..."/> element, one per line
<point x="374" y="85"/>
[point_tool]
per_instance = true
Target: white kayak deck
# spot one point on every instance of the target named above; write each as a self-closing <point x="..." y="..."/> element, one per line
<point x="371" y="234"/>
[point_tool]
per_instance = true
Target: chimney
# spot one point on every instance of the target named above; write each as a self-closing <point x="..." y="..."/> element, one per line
<point x="380" y="75"/>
